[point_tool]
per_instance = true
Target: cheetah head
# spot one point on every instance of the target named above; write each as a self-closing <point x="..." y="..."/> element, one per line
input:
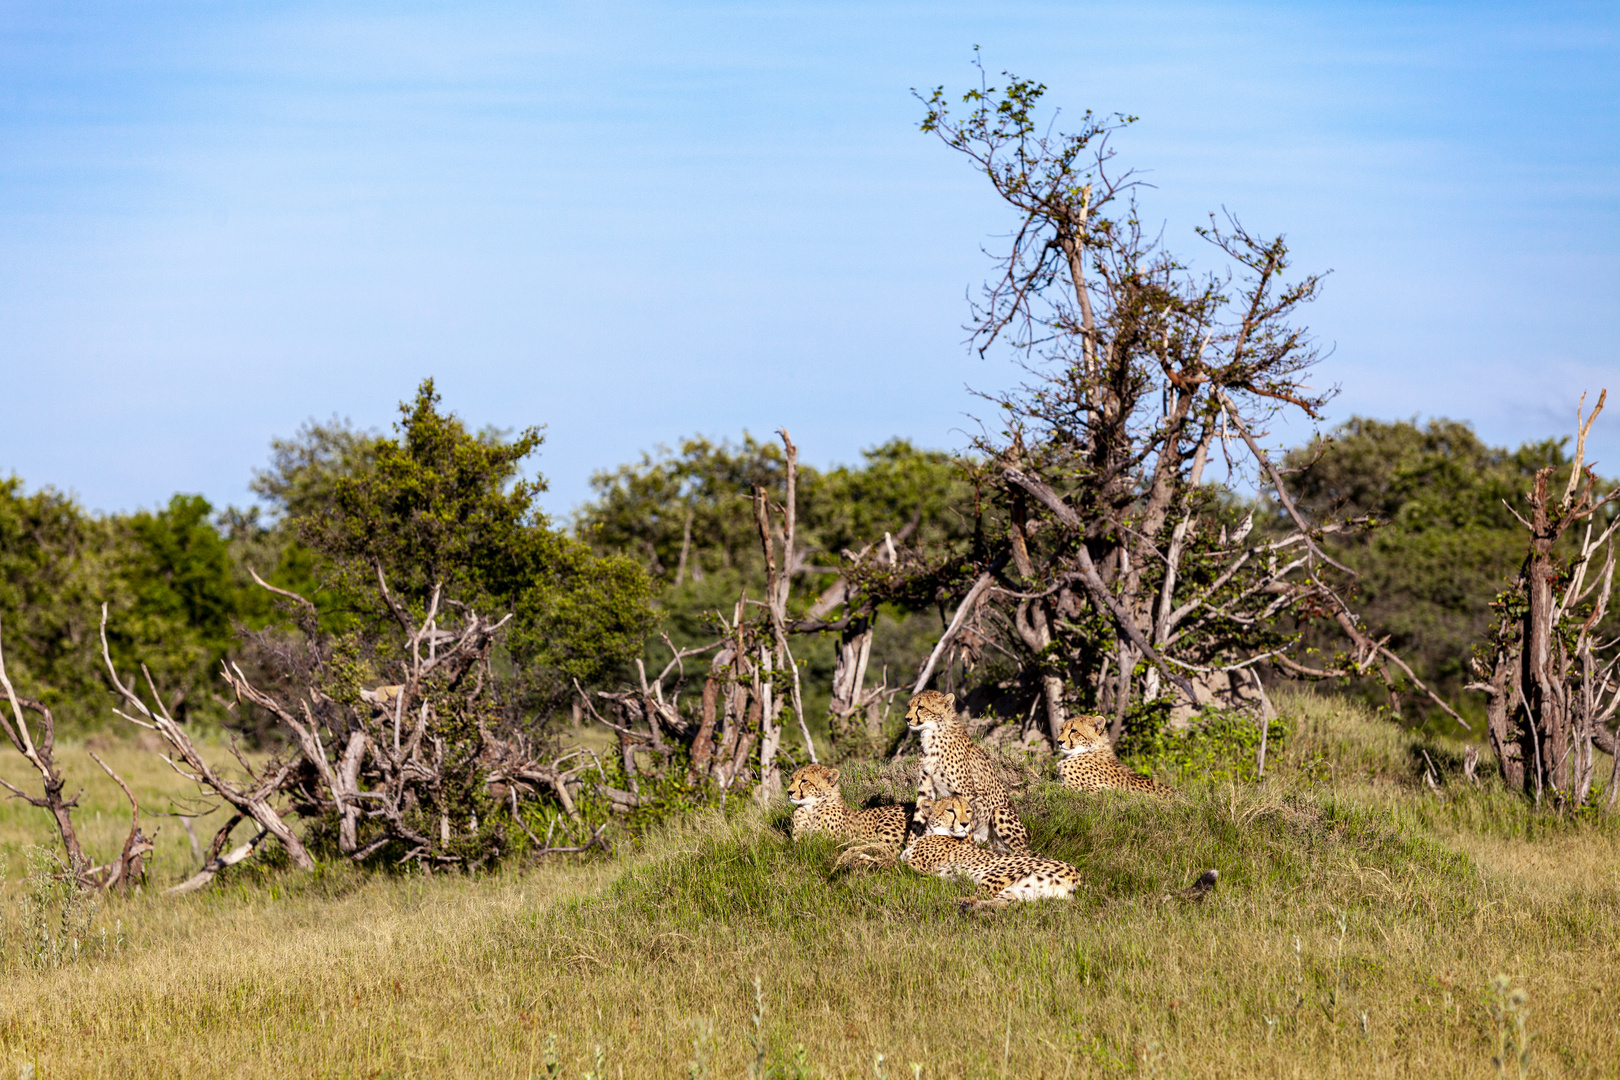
<point x="951" y="816"/>
<point x="929" y="708"/>
<point x="1082" y="735"/>
<point x="811" y="783"/>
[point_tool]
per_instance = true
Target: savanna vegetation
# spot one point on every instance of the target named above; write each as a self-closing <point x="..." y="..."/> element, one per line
<point x="393" y="774"/>
<point x="1360" y="928"/>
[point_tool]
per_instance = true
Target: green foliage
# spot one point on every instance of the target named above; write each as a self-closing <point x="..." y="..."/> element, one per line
<point x="58" y="918"/>
<point x="1438" y="476"/>
<point x="1218" y="745"/>
<point x="1508" y="1013"/>
<point x="441" y="507"/>
<point x="57" y="564"/>
<point x="166" y="576"/>
<point x="305" y="469"/>
<point x="686" y="515"/>
<point x="438" y="507"/>
<point x="1447" y="545"/>
<point x="183" y="599"/>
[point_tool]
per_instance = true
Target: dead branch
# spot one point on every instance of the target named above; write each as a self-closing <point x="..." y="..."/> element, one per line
<point x="254" y="803"/>
<point x="980" y="586"/>
<point x="1264" y="461"/>
<point x="217" y="863"/>
<point x="1093" y="580"/>
<point x="130" y="863"/>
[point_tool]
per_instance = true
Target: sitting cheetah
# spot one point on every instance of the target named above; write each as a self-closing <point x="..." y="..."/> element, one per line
<point x="1089" y="763"/>
<point x="952" y="764"/>
<point x="813" y="790"/>
<point x="947" y="851"/>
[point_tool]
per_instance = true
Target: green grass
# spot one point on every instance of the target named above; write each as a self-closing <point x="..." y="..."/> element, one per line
<point x="1356" y="931"/>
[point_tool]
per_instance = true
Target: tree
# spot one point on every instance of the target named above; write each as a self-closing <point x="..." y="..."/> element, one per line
<point x="1550" y="668"/>
<point x="167" y="573"/>
<point x="1099" y="540"/>
<point x="185" y="602"/>
<point x="1446" y="542"/>
<point x="440" y="510"/>
<point x="690" y="516"/>
<point x="56" y="564"/>
<point x="474" y="614"/>
<point x="305" y="469"/>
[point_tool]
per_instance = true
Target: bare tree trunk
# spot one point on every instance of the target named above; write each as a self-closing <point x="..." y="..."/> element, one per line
<point x="779" y="586"/>
<point x="770" y="732"/>
<point x="1505" y="738"/>
<point x="1544" y="663"/>
<point x="1541" y="680"/>
<point x="686" y="548"/>
<point x="849" y="676"/>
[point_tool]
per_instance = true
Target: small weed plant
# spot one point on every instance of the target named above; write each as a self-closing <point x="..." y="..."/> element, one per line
<point x="1509" y="1014"/>
<point x="58" y="924"/>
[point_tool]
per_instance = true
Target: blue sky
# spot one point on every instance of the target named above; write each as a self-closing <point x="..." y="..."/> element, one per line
<point x="635" y="222"/>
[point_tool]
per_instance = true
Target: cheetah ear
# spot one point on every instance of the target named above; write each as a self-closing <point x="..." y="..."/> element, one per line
<point x="950" y="701"/>
<point x="832" y="775"/>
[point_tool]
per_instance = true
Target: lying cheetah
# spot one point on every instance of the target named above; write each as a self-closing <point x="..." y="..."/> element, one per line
<point x="947" y="851"/>
<point x="952" y="764"/>
<point x="1089" y="763"/>
<point x="813" y="790"/>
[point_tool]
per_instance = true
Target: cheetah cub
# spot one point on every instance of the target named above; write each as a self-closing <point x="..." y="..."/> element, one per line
<point x="1089" y="763"/>
<point x="947" y="851"/>
<point x="819" y="807"/>
<point x="953" y="764"/>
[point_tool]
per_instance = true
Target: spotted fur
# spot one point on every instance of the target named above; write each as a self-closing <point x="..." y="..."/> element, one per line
<point x="819" y="807"/>
<point x="953" y="764"/>
<point x="1089" y="763"/>
<point x="947" y="850"/>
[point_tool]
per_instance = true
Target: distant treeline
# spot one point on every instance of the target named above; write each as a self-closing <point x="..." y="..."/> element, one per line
<point x="666" y="542"/>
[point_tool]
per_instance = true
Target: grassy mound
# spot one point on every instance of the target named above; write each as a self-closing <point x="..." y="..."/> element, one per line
<point x="1357" y="929"/>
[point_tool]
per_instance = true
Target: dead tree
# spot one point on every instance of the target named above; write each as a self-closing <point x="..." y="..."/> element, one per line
<point x="858" y="595"/>
<point x="253" y="801"/>
<point x="129" y="866"/>
<point x="1550" y="676"/>
<point x="778" y="589"/>
<point x="416" y="768"/>
<point x="752" y="678"/>
<point x="722" y="744"/>
<point x="1105" y="565"/>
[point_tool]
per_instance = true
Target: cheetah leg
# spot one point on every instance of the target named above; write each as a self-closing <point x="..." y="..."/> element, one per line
<point x="1005" y="832"/>
<point x="983" y="822"/>
<point x="925" y="799"/>
<point x="972" y="903"/>
<point x="991" y="894"/>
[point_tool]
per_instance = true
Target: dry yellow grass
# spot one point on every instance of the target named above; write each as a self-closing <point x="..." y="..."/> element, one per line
<point x="1355" y="932"/>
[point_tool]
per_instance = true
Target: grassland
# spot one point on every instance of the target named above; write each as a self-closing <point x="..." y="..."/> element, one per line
<point x="1356" y="931"/>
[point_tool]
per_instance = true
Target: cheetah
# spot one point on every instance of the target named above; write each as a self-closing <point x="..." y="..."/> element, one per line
<point x="952" y="764"/>
<point x="1089" y="763"/>
<point x="813" y="790"/>
<point x="948" y="851"/>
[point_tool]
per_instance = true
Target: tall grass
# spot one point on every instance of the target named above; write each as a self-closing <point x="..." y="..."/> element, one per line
<point x="1359" y="929"/>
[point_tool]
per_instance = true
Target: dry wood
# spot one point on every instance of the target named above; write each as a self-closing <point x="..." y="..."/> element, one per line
<point x="217" y="863"/>
<point x="253" y="802"/>
<point x="1550" y="684"/>
<point x="129" y="866"/>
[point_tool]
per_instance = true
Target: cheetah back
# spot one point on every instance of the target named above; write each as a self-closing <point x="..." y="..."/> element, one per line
<point x="820" y="807"/>
<point x="1089" y="762"/>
